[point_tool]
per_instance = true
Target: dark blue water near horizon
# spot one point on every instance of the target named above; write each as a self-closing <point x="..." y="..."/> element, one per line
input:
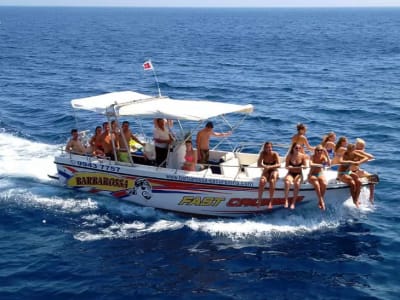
<point x="332" y="69"/>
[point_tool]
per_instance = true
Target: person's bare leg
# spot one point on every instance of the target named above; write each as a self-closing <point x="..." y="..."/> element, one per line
<point x="272" y="184"/>
<point x="261" y="186"/>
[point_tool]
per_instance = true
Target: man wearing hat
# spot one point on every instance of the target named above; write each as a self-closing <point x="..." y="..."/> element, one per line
<point x="203" y="141"/>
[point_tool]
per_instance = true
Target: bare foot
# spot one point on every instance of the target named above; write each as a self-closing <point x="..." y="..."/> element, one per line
<point x="321" y="205"/>
<point x="357" y="204"/>
<point x="270" y="205"/>
<point x="286" y="204"/>
<point x="292" y="206"/>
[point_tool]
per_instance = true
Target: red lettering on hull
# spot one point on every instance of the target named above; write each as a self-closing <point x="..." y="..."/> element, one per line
<point x="245" y="202"/>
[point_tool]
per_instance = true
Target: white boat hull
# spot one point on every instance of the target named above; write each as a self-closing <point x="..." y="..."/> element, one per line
<point x="197" y="193"/>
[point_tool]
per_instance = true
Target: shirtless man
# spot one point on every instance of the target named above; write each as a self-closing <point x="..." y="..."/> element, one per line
<point x="203" y="141"/>
<point x="106" y="141"/>
<point x="128" y="136"/>
<point x="269" y="161"/>
<point x="74" y="145"/>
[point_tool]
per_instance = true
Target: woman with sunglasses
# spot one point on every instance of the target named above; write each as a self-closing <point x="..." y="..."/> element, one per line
<point x="295" y="162"/>
<point x="316" y="176"/>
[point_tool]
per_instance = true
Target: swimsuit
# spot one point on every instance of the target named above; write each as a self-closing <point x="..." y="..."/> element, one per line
<point x="295" y="173"/>
<point x="267" y="173"/>
<point x="348" y="172"/>
<point x="330" y="153"/>
<point x="189" y="158"/>
<point x="204" y="156"/>
<point x="317" y="174"/>
<point x="188" y="164"/>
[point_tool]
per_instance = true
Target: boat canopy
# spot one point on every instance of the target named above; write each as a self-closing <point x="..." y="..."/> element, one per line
<point x="128" y="103"/>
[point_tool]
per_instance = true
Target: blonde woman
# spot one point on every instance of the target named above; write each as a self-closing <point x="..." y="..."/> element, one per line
<point x="351" y="158"/>
<point x="316" y="176"/>
<point x="360" y="149"/>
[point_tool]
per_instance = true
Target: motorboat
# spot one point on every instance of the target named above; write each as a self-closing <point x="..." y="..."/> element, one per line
<point x="227" y="186"/>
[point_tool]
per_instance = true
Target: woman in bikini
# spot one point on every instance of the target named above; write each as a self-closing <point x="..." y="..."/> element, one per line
<point x="295" y="162"/>
<point x="316" y="176"/>
<point x="328" y="142"/>
<point x="340" y="149"/>
<point x="269" y="162"/>
<point x="190" y="157"/>
<point x="360" y="149"/>
<point x="351" y="158"/>
<point x="301" y="139"/>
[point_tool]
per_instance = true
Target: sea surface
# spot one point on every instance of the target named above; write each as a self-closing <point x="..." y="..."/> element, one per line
<point x="332" y="69"/>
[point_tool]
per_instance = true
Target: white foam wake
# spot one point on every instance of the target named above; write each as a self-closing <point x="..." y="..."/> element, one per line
<point x="23" y="158"/>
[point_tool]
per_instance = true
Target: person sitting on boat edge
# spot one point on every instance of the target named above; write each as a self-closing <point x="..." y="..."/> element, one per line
<point x="203" y="141"/>
<point x="351" y="158"/>
<point x="316" y="176"/>
<point x="190" y="157"/>
<point x="162" y="138"/>
<point x="295" y="162"/>
<point x="360" y="148"/>
<point x="269" y="161"/>
<point x="74" y="145"/>
<point x="125" y="136"/>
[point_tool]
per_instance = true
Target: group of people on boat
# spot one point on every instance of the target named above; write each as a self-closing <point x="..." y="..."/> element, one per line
<point x="106" y="138"/>
<point x="104" y="141"/>
<point x="341" y="156"/>
<point x="338" y="155"/>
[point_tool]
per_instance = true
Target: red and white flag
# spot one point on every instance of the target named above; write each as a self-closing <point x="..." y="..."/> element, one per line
<point x="147" y="65"/>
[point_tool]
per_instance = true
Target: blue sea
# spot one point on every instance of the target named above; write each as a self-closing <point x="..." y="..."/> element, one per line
<point x="332" y="69"/>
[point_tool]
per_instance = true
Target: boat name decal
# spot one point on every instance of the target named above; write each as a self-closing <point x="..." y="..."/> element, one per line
<point x="201" y="201"/>
<point x="100" y="181"/>
<point x="209" y="180"/>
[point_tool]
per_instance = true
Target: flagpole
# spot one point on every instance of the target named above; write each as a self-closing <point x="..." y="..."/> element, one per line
<point x="158" y="85"/>
<point x="149" y="66"/>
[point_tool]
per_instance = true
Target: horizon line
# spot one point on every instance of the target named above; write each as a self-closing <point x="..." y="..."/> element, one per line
<point x="200" y="6"/>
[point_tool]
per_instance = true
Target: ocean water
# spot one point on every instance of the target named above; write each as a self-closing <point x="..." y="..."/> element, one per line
<point x="332" y="69"/>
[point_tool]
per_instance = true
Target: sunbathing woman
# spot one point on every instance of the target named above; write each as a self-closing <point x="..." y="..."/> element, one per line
<point x="351" y="158"/>
<point x="269" y="162"/>
<point x="316" y="176"/>
<point x="295" y="161"/>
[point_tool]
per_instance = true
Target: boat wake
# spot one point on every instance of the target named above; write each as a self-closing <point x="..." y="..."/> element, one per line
<point x="23" y="158"/>
<point x="24" y="169"/>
